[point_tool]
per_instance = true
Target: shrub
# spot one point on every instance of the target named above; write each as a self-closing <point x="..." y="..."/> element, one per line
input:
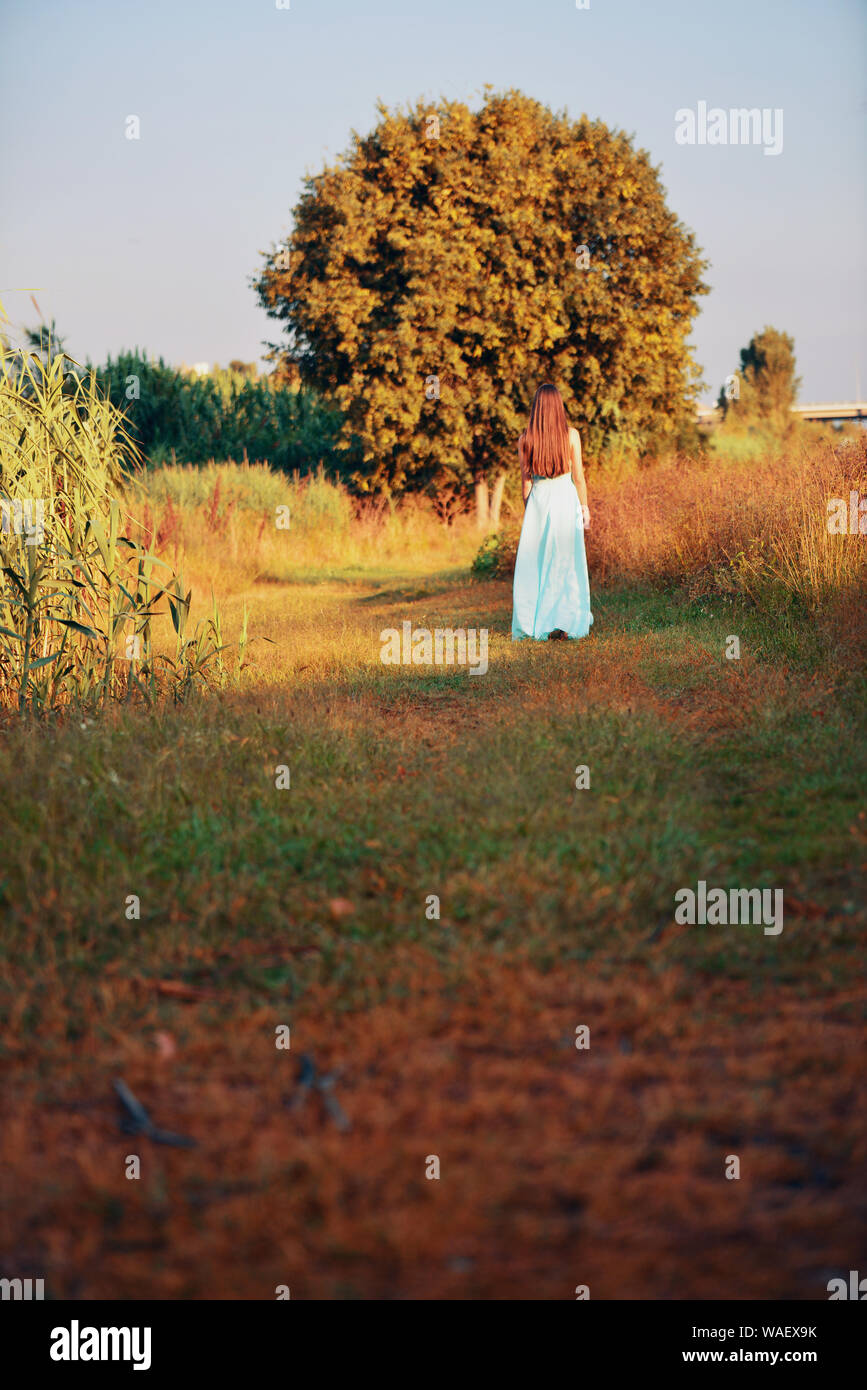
<point x="496" y="557"/>
<point x="227" y="414"/>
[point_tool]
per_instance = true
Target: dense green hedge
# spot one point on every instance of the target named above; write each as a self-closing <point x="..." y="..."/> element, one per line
<point x="226" y="414"/>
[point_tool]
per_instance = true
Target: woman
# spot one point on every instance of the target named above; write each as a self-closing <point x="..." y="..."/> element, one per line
<point x="552" y="591"/>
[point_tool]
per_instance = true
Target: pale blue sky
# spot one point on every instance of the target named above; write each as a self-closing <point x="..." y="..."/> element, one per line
<point x="152" y="243"/>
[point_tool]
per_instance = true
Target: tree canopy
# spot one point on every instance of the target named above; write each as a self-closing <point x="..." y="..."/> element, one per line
<point x="451" y="261"/>
<point x="765" y="389"/>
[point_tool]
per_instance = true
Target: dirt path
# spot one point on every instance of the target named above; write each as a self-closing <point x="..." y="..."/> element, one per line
<point x="449" y="1037"/>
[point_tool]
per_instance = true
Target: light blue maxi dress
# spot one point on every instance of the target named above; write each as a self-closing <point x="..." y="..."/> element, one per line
<point x="552" y="589"/>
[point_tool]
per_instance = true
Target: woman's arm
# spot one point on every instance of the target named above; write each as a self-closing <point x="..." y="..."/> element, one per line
<point x="578" y="471"/>
<point x="526" y="480"/>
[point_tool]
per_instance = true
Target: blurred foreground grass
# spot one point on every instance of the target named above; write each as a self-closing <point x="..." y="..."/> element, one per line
<point x="261" y="907"/>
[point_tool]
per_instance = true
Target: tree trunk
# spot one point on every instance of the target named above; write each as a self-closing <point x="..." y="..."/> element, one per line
<point x="482" y="512"/>
<point x="497" y="500"/>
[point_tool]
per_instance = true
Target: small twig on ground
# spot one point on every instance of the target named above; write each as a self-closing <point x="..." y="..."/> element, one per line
<point x="309" y="1079"/>
<point x="136" y="1120"/>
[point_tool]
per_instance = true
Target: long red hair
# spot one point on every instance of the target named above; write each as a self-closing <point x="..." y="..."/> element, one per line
<point x="546" y="438"/>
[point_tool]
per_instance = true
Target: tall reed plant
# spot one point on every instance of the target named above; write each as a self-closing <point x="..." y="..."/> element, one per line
<point x="79" y="596"/>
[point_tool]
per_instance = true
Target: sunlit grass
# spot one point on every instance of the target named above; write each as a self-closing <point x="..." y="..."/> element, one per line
<point x="452" y="1034"/>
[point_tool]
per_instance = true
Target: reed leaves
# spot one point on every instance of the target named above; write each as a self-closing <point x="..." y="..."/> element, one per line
<point x="79" y="597"/>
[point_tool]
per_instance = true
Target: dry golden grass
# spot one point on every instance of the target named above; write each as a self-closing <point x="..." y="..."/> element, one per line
<point x="454" y="1036"/>
<point x="733" y="527"/>
<point x="228" y="547"/>
<point x="755" y="529"/>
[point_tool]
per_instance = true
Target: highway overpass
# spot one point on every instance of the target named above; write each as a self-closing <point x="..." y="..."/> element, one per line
<point x="818" y="410"/>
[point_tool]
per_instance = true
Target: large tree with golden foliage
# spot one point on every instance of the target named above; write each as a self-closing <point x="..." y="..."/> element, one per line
<point x="453" y="260"/>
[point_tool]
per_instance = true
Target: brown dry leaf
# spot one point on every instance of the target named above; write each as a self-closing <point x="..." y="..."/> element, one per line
<point x="340" y="908"/>
<point x="176" y="989"/>
<point x="166" y="1046"/>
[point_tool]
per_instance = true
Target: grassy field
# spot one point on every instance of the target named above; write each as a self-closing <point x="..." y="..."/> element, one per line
<point x="455" y="1037"/>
